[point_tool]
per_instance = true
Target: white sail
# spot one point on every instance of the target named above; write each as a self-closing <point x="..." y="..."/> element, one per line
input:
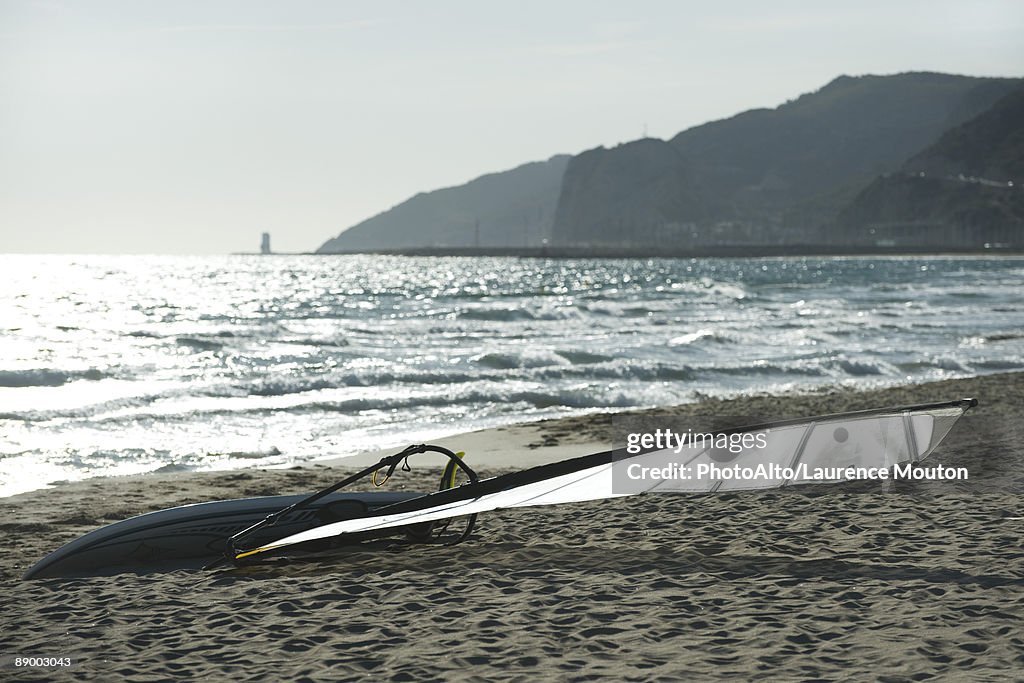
<point x="819" y="450"/>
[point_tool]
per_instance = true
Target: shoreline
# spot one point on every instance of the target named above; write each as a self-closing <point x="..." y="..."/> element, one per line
<point x="527" y="444"/>
<point x="771" y="585"/>
<point x="710" y="251"/>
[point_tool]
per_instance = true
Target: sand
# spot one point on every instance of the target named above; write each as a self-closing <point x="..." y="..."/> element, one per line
<point x="920" y="581"/>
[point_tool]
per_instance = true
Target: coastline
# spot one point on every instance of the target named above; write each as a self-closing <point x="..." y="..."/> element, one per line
<point x="921" y="579"/>
<point x="708" y="251"/>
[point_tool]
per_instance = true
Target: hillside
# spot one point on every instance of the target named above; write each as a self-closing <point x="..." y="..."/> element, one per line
<point x="967" y="188"/>
<point x="776" y="175"/>
<point x="989" y="146"/>
<point x="510" y="209"/>
<point x="600" y="192"/>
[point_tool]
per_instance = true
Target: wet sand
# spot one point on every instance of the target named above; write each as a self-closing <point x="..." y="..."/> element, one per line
<point x="920" y="580"/>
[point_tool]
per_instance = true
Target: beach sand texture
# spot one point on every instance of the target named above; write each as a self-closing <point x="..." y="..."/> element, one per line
<point x="923" y="580"/>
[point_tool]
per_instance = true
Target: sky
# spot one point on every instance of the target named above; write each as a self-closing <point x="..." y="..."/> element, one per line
<point x="192" y="127"/>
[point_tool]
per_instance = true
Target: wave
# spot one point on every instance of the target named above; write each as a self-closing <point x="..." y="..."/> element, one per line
<point x="808" y="366"/>
<point x="583" y="357"/>
<point x="200" y="344"/>
<point x="857" y="368"/>
<point x="302" y="385"/>
<point x="248" y="455"/>
<point x="699" y="336"/>
<point x="496" y="314"/>
<point x="720" y="289"/>
<point x="619" y="310"/>
<point x="522" y="359"/>
<point x="761" y="368"/>
<point x="494" y="367"/>
<point x="91" y="411"/>
<point x="47" y="377"/>
<point x="487" y="397"/>
<point x="319" y="342"/>
<point x="582" y="397"/>
<point x="1005" y="336"/>
<point x="618" y="369"/>
<point x="564" y="365"/>
<point x="998" y="364"/>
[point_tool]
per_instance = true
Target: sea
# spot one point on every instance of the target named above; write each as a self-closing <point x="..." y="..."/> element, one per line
<point x="113" y="365"/>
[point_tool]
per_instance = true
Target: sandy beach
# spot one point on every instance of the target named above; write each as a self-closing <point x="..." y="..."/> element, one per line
<point x="919" y="581"/>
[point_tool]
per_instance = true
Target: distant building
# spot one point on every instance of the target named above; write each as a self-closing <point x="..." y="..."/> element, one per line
<point x="265" y="244"/>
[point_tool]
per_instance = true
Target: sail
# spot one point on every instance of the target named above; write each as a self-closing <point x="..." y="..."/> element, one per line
<point x="818" y="450"/>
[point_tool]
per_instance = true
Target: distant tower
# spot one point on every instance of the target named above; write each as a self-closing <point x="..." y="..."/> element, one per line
<point x="265" y="244"/>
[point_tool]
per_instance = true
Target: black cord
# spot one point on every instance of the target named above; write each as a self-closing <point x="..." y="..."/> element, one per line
<point x="391" y="462"/>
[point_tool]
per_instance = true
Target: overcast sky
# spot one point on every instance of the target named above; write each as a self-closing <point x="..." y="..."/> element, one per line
<point x="191" y="127"/>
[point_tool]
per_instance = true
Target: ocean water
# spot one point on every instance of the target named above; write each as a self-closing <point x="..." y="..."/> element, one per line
<point x="129" y="364"/>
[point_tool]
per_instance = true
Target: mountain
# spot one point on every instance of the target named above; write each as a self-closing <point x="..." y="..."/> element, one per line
<point x="510" y="209"/>
<point x="965" y="189"/>
<point x="767" y="175"/>
<point x="810" y="173"/>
